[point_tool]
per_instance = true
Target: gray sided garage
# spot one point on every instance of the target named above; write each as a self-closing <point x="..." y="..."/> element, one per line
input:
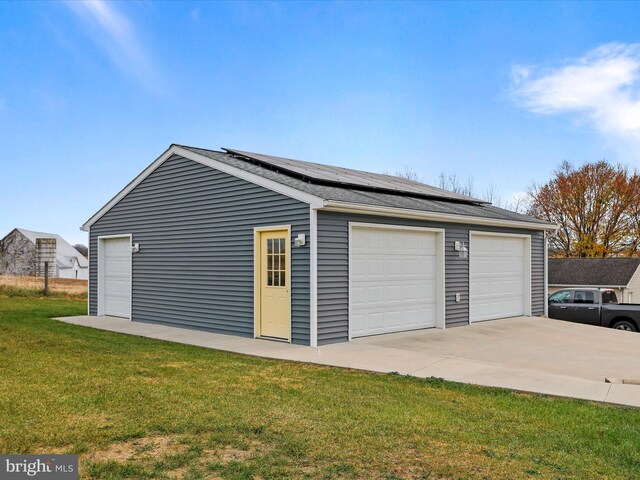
<point x="260" y="246"/>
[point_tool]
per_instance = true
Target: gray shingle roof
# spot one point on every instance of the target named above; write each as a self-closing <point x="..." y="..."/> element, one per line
<point x="602" y="272"/>
<point x="355" y="178"/>
<point x="354" y="194"/>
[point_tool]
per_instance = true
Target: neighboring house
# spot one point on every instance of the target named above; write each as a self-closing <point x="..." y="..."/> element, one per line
<point x="620" y="274"/>
<point x="23" y="252"/>
<point x="261" y="246"/>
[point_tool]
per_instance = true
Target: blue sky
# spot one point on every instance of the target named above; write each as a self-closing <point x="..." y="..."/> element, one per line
<point x="91" y="93"/>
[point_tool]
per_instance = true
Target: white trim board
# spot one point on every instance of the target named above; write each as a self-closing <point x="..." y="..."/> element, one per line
<point x="313" y="274"/>
<point x="346" y="207"/>
<point x="209" y="162"/>
<point x="89" y="275"/>
<point x="440" y="248"/>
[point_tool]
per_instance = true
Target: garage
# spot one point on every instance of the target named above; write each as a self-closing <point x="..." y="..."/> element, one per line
<point x="114" y="285"/>
<point x="499" y="276"/>
<point x="395" y="280"/>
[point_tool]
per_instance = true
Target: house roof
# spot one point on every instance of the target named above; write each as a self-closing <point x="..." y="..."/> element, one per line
<point x="397" y="194"/>
<point x="65" y="252"/>
<point x="341" y="189"/>
<point x="347" y="177"/>
<point x="596" y="272"/>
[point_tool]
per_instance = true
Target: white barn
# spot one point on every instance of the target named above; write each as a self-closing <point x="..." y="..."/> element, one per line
<point x="18" y="256"/>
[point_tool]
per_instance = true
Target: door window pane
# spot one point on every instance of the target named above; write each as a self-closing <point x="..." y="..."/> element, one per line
<point x="276" y="262"/>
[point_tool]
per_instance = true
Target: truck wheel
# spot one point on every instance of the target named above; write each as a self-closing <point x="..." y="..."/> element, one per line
<point x="625" y="325"/>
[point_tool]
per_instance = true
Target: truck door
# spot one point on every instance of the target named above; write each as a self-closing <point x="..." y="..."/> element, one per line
<point x="559" y="304"/>
<point x="585" y="307"/>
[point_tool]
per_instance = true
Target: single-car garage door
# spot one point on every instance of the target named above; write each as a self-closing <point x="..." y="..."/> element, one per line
<point x="115" y="276"/>
<point x="396" y="280"/>
<point x="499" y="276"/>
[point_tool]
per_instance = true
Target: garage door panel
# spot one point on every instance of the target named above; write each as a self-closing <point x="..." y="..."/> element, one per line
<point x="116" y="276"/>
<point x="497" y="277"/>
<point x="393" y="280"/>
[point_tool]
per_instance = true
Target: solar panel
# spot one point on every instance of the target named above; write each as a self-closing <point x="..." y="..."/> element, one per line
<point x="349" y="177"/>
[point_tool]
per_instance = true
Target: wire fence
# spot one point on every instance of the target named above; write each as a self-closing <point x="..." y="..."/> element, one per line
<point x="59" y="285"/>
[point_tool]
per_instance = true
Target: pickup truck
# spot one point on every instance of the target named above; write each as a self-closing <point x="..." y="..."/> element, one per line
<point x="594" y="306"/>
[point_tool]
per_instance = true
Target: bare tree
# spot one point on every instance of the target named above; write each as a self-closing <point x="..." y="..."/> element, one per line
<point x="407" y="172"/>
<point x="451" y="182"/>
<point x="84" y="251"/>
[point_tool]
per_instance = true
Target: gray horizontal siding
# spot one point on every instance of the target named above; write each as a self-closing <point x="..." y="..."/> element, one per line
<point x="333" y="270"/>
<point x="195" y="265"/>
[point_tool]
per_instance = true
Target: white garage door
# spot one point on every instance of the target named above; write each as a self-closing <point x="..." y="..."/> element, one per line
<point x="116" y="276"/>
<point x="497" y="277"/>
<point x="394" y="280"/>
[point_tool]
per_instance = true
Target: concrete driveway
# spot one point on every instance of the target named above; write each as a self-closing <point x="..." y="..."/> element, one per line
<point x="525" y="353"/>
<point x="534" y="343"/>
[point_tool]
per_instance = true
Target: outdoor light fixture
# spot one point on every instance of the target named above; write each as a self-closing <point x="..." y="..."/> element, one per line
<point x="462" y="248"/>
<point x="300" y="240"/>
<point x="135" y="248"/>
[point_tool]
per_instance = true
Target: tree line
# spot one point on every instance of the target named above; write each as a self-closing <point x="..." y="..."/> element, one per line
<point x="596" y="207"/>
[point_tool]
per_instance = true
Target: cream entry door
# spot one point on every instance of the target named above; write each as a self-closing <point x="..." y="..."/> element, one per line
<point x="275" y="285"/>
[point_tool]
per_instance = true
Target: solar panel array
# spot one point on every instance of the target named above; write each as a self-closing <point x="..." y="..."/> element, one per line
<point x="349" y="177"/>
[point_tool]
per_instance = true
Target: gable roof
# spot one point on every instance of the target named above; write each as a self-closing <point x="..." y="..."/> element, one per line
<point x="65" y="252"/>
<point x="347" y="177"/>
<point x="340" y="189"/>
<point x="596" y="272"/>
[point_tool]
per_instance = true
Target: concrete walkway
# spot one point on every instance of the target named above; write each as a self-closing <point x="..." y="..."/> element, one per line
<point x="527" y="354"/>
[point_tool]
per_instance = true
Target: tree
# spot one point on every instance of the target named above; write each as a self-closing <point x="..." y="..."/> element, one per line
<point x="595" y="206"/>
<point x="451" y="182"/>
<point x="84" y="251"/>
<point x="408" y="173"/>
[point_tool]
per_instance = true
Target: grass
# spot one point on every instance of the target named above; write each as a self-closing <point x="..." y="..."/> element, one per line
<point x="30" y="286"/>
<point x="139" y="408"/>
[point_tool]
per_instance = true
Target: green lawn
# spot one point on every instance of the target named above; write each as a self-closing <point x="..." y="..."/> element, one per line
<point x="139" y="408"/>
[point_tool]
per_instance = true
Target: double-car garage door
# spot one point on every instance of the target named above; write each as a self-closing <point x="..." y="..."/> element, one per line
<point x="397" y="278"/>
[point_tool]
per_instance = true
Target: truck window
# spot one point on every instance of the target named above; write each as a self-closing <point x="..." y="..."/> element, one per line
<point x="584" y="296"/>
<point x="563" y="296"/>
<point x="609" y="296"/>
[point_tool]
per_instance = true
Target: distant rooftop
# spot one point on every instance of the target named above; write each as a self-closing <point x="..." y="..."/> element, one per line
<point x="65" y="252"/>
<point x="595" y="272"/>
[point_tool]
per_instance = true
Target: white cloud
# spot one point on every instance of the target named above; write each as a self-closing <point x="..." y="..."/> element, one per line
<point x="603" y="88"/>
<point x="115" y="33"/>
